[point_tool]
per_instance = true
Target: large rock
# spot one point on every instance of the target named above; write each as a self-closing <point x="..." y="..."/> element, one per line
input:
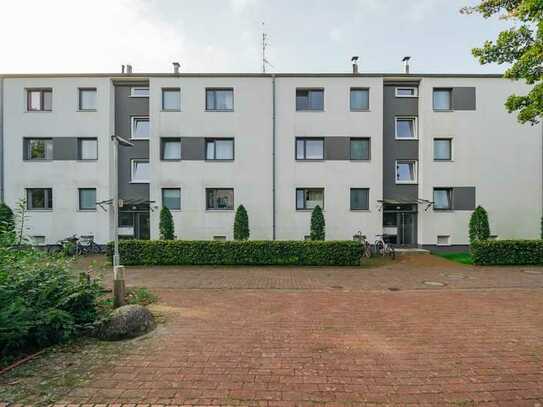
<point x="128" y="321"/>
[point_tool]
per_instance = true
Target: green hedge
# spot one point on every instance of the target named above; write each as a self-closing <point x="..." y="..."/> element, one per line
<point x="507" y="252"/>
<point x="251" y="252"/>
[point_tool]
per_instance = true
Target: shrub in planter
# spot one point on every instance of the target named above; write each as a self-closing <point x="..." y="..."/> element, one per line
<point x="317" y="224"/>
<point x="241" y="224"/>
<point x="166" y="227"/>
<point x="507" y="252"/>
<point x="479" y="228"/>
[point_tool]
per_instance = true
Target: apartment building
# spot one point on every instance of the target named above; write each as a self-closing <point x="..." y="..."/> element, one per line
<point x="407" y="155"/>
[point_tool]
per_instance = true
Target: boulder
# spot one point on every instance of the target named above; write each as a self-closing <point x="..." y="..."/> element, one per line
<point x="128" y="321"/>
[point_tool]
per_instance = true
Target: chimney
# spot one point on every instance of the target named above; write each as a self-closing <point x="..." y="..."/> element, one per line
<point x="405" y="61"/>
<point x="122" y="69"/>
<point x="128" y="69"/>
<point x="176" y="66"/>
<point x="354" y="60"/>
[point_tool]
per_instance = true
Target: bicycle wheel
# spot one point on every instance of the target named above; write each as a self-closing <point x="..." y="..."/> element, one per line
<point x="379" y="248"/>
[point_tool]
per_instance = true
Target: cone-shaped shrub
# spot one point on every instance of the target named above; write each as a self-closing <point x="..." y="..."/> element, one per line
<point x="478" y="225"/>
<point x="317" y="224"/>
<point x="7" y="221"/>
<point x="166" y="225"/>
<point x="241" y="224"/>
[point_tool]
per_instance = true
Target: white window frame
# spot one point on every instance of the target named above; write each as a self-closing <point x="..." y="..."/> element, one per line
<point x="415" y="181"/>
<point x="414" y="95"/>
<point x="449" y="90"/>
<point x="132" y="127"/>
<point x="132" y="162"/>
<point x="451" y="156"/>
<point x="134" y="95"/>
<point x="447" y="239"/>
<point x="415" y="127"/>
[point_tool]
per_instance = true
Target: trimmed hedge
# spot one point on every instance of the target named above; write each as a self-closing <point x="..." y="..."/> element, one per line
<point x="507" y="252"/>
<point x="251" y="252"/>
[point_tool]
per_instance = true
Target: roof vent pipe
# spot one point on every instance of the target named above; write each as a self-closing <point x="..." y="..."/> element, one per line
<point x="405" y="61"/>
<point x="176" y="66"/>
<point x="122" y="68"/>
<point x="354" y="60"/>
<point x="128" y="69"/>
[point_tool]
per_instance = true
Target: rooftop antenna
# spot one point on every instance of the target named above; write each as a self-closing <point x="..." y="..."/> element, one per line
<point x="405" y="60"/>
<point x="265" y="44"/>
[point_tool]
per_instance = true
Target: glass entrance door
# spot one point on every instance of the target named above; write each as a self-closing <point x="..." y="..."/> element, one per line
<point x="407" y="230"/>
<point x="400" y="224"/>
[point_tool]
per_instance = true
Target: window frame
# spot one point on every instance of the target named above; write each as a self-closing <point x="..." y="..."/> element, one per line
<point x="351" y="139"/>
<point x="79" y="104"/>
<point x="403" y="161"/>
<point x="132" y="162"/>
<point x="170" y="189"/>
<point x="163" y="141"/>
<point x="449" y="191"/>
<point x="215" y="89"/>
<point x="309" y="90"/>
<point x="450" y="140"/>
<point x="134" y="95"/>
<point x="80" y="190"/>
<point x="351" y="199"/>
<point x="220" y="189"/>
<point x="48" y="196"/>
<point x="306" y="189"/>
<point x="79" y="149"/>
<point x="415" y="127"/>
<point x="449" y="90"/>
<point x="168" y="89"/>
<point x="414" y="95"/>
<point x="133" y="120"/>
<point x="42" y="99"/>
<point x="27" y="146"/>
<point x="305" y="139"/>
<point x="351" y="100"/>
<point x="214" y="140"/>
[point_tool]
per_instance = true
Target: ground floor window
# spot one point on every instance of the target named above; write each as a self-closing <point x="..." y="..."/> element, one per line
<point x="360" y="199"/>
<point x="171" y="198"/>
<point x="442" y="198"/>
<point x="87" y="199"/>
<point x="309" y="198"/>
<point x="39" y="198"/>
<point x="219" y="198"/>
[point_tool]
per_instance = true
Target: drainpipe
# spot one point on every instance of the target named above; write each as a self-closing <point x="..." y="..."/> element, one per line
<point x="273" y="158"/>
<point x="1" y="139"/>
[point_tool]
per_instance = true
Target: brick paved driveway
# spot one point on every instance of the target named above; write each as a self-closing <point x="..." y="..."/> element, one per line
<point x="296" y="342"/>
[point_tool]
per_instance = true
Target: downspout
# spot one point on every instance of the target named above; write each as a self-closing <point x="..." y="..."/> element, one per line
<point x="2" y="139"/>
<point x="273" y="159"/>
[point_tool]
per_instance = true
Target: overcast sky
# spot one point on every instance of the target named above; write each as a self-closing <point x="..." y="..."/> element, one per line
<point x="225" y="35"/>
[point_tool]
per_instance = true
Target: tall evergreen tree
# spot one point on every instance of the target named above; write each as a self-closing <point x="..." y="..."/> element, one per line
<point x="166" y="226"/>
<point x="317" y="224"/>
<point x="241" y="224"/>
<point x="479" y="228"/>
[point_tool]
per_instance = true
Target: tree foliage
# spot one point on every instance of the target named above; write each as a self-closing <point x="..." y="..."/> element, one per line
<point x="317" y="224"/>
<point x="166" y="227"/>
<point x="521" y="46"/>
<point x="479" y="228"/>
<point x="241" y="224"/>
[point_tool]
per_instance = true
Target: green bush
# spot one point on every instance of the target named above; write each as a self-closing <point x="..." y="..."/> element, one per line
<point x="507" y="252"/>
<point x="167" y="231"/>
<point x="241" y="224"/>
<point x="245" y="252"/>
<point x="479" y="228"/>
<point x="317" y="224"/>
<point x="7" y="220"/>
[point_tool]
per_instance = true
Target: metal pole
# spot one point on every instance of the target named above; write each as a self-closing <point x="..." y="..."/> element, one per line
<point x="118" y="270"/>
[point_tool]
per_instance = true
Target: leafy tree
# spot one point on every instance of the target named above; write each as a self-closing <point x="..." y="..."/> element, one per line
<point x="241" y="224"/>
<point x="317" y="224"/>
<point x="521" y="46"/>
<point x="7" y="224"/>
<point x="478" y="225"/>
<point x="21" y="218"/>
<point x="166" y="226"/>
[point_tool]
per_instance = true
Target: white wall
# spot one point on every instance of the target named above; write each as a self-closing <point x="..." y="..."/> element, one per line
<point x="491" y="151"/>
<point x="64" y="177"/>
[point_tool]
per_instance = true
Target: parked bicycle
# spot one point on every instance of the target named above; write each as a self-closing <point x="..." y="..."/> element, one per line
<point x="73" y="245"/>
<point x="383" y="248"/>
<point x="366" y="247"/>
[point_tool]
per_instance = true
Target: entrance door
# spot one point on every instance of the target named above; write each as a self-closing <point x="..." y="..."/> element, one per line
<point x="400" y="224"/>
<point x="407" y="228"/>
<point x="143" y="227"/>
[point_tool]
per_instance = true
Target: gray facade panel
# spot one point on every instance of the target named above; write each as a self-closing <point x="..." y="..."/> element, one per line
<point x="463" y="198"/>
<point x="337" y="148"/>
<point x="463" y="98"/>
<point x="125" y="108"/>
<point x="193" y="148"/>
<point x="397" y="149"/>
<point x="65" y="148"/>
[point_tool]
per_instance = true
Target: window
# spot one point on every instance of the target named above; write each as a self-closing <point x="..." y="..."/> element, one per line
<point x="39" y="198"/>
<point x="140" y="171"/>
<point x="39" y="149"/>
<point x="171" y="99"/>
<point x="139" y="92"/>
<point x="360" y="199"/>
<point x="309" y="198"/>
<point x="39" y="100"/>
<point x="442" y="149"/>
<point x="219" y="238"/>
<point x="87" y="98"/>
<point x="443" y="240"/>
<point x="310" y="149"/>
<point x="171" y="198"/>
<point x="171" y="148"/>
<point x="87" y="149"/>
<point x="442" y="198"/>
<point x="442" y="99"/>
<point x="360" y="149"/>
<point x="87" y="199"/>
<point x="406" y="172"/>
<point x="38" y="240"/>
<point x="219" y="198"/>
<point x="219" y="99"/>
<point x="310" y="99"/>
<point x="407" y="92"/>
<point x="220" y="149"/>
<point x="360" y="99"/>
<point x="140" y="128"/>
<point x="406" y="128"/>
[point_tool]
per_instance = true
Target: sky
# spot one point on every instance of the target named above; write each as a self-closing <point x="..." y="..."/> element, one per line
<point x="67" y="36"/>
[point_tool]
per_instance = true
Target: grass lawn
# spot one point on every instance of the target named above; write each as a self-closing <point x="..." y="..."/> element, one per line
<point x="460" y="257"/>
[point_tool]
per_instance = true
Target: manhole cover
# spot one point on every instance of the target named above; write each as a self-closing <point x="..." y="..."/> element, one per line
<point x="393" y="289"/>
<point x="337" y="287"/>
<point x="433" y="283"/>
<point x="533" y="271"/>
